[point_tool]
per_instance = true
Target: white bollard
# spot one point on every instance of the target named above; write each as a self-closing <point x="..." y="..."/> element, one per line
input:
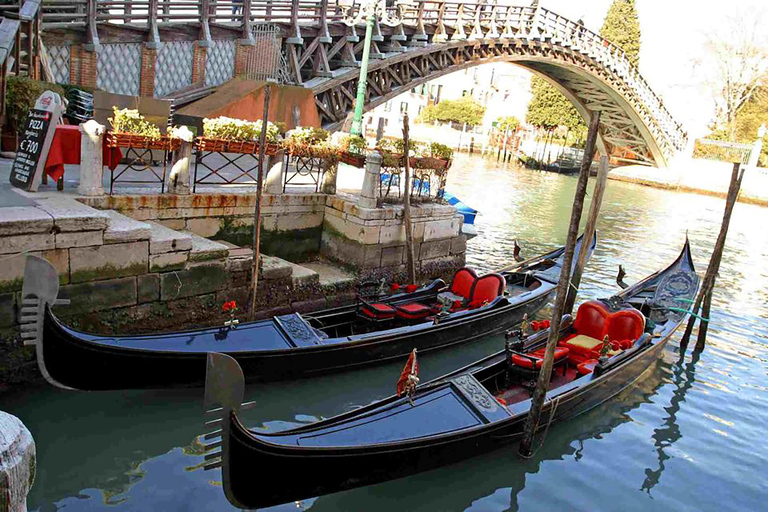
<point x="178" y="178"/>
<point x="274" y="178"/>
<point x="17" y="463"/>
<point x="91" y="159"/>
<point x="370" y="189"/>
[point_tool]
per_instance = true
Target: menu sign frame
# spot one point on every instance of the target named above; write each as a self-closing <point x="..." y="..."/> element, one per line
<point x="35" y="143"/>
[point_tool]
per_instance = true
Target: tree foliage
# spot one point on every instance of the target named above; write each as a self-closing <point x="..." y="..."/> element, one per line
<point x="511" y="122"/>
<point x="464" y="110"/>
<point x="549" y="109"/>
<point x="622" y="28"/>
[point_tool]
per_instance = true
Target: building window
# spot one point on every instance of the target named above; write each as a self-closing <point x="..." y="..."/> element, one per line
<point x="421" y="107"/>
<point x="388" y="106"/>
<point x="404" y="107"/>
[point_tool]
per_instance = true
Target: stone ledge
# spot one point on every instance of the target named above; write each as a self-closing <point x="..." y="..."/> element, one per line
<point x="163" y="239"/>
<point x="98" y="296"/>
<point x="25" y="243"/>
<point x="274" y="268"/>
<point x="12" y="269"/>
<point x="71" y="215"/>
<point x="124" y="229"/>
<point x="19" y="220"/>
<point x="79" y="239"/>
<point x="204" y="249"/>
<point x="108" y="261"/>
<point x="196" y="279"/>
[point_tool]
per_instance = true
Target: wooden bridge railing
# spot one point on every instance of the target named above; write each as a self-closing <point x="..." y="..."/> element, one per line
<point x="465" y="19"/>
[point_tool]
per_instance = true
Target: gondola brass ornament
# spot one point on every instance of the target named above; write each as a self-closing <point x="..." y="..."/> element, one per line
<point x="231" y="308"/>
<point x="524" y="326"/>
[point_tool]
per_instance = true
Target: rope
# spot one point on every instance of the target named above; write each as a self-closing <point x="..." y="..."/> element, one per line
<point x="551" y="417"/>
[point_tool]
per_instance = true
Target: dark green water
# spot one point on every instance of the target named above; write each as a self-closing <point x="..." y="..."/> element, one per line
<point x="688" y="436"/>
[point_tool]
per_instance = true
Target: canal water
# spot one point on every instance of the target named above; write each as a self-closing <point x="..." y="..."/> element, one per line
<point x="690" y="435"/>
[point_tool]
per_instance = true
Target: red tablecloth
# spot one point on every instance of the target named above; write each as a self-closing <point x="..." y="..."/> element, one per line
<point x="65" y="149"/>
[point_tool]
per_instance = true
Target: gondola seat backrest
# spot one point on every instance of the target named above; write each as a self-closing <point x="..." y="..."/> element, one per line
<point x="486" y="289"/>
<point x="590" y="319"/>
<point x="594" y="322"/>
<point x="462" y="283"/>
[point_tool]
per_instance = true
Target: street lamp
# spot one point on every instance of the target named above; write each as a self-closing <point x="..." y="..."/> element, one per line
<point x="389" y="12"/>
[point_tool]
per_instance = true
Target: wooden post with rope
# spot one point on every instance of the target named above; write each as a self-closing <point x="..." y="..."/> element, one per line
<point x="540" y="393"/>
<point x="257" y="210"/>
<point x="704" y="299"/>
<point x="589" y="232"/>
<point x="410" y="259"/>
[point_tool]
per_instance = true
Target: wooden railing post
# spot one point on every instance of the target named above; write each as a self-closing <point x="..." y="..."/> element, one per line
<point x="246" y="24"/>
<point x="440" y="33"/>
<point x="420" y="37"/>
<point x="458" y="28"/>
<point x="153" y="37"/>
<point x="295" y="37"/>
<point x="91" y="34"/>
<point x="204" y="39"/>
<point x="323" y="34"/>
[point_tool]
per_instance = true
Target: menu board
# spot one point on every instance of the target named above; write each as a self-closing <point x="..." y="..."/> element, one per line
<point x="36" y="142"/>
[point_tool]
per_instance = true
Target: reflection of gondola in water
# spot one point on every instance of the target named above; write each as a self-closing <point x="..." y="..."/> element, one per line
<point x="683" y="378"/>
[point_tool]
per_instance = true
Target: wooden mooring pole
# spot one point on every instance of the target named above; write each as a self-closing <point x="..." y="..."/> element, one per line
<point x="410" y="259"/>
<point x="540" y="393"/>
<point x="257" y="209"/>
<point x="704" y="299"/>
<point x="589" y="232"/>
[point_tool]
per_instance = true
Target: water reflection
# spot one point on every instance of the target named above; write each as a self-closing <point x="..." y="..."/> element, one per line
<point x="683" y="378"/>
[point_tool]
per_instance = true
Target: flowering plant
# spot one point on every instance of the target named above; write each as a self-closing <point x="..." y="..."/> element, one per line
<point x="231" y="308"/>
<point x="130" y="121"/>
<point x="227" y="128"/>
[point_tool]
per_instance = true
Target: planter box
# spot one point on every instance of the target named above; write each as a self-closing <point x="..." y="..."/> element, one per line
<point x="130" y="140"/>
<point x="431" y="163"/>
<point x="353" y="159"/>
<point x="231" y="146"/>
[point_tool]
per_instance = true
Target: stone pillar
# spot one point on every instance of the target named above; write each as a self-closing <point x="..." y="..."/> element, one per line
<point x="91" y="159"/>
<point x="370" y="189"/>
<point x="274" y="179"/>
<point x="329" y="179"/>
<point x="17" y="463"/>
<point x="178" y="178"/>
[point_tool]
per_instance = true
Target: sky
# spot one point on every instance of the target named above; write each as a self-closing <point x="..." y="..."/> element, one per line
<point x="673" y="56"/>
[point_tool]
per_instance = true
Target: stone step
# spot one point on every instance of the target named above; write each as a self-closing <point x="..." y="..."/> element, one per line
<point x="163" y="239"/>
<point x="330" y="274"/>
<point x="204" y="249"/>
<point x="275" y="268"/>
<point x="124" y="229"/>
<point x="71" y="215"/>
<point x="303" y="276"/>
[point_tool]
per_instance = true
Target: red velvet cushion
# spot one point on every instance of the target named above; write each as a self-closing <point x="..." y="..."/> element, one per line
<point x="487" y="288"/>
<point x="587" y="367"/>
<point x="379" y="311"/>
<point x="463" y="281"/>
<point x="524" y="362"/>
<point x="590" y="319"/>
<point x="413" y="311"/>
<point x="627" y="324"/>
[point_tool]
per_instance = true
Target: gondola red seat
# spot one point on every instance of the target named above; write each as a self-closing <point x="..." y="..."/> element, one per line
<point x="593" y="323"/>
<point x="538" y="357"/>
<point x="461" y="285"/>
<point x="486" y="289"/>
<point x="587" y="367"/>
<point x="378" y="311"/>
<point x="413" y="311"/>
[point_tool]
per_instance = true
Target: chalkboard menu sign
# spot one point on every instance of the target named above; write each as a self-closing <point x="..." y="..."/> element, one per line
<point x="35" y="142"/>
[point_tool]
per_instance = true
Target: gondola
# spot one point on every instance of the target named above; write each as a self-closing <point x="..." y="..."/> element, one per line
<point x="370" y="331"/>
<point x="470" y="411"/>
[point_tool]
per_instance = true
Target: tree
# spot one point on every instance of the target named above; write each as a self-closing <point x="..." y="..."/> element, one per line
<point x="511" y="122"/>
<point x="739" y="51"/>
<point x="549" y="109"/>
<point x="622" y="28"/>
<point x="464" y="110"/>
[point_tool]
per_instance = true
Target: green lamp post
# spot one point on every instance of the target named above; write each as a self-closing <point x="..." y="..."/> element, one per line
<point x="389" y="12"/>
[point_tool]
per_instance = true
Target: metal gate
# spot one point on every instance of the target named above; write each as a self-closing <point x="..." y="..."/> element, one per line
<point x="266" y="61"/>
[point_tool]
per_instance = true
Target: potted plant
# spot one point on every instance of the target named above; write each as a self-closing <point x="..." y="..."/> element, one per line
<point x="435" y="156"/>
<point x="353" y="148"/>
<point x="131" y="130"/>
<point x="228" y="135"/>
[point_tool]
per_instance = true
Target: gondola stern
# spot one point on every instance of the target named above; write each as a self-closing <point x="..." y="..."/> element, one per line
<point x="39" y="292"/>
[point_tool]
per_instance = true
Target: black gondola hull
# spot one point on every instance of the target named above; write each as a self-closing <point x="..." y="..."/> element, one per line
<point x="83" y="365"/>
<point x="337" y="469"/>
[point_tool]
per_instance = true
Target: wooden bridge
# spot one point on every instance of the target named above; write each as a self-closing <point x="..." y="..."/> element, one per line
<point x="179" y="45"/>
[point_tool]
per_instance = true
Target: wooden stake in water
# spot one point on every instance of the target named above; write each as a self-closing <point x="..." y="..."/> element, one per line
<point x="257" y="209"/>
<point x="410" y="259"/>
<point x="708" y="285"/>
<point x="589" y="232"/>
<point x="540" y="393"/>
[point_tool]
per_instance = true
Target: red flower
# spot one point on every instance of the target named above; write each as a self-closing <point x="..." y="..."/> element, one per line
<point x="395" y="287"/>
<point x="229" y="306"/>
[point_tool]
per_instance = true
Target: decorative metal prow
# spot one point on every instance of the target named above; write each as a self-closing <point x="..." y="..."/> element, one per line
<point x="517" y="256"/>
<point x="224" y="388"/>
<point x="39" y="291"/>
<point x="620" y="277"/>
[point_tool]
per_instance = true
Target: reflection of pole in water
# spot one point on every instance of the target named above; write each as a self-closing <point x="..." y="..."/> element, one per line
<point x="664" y="437"/>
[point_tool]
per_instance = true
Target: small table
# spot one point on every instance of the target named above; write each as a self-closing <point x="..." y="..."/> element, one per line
<point x="65" y="149"/>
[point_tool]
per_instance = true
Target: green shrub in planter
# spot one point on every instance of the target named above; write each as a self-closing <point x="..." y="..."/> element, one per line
<point x="128" y="120"/>
<point x="21" y="95"/>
